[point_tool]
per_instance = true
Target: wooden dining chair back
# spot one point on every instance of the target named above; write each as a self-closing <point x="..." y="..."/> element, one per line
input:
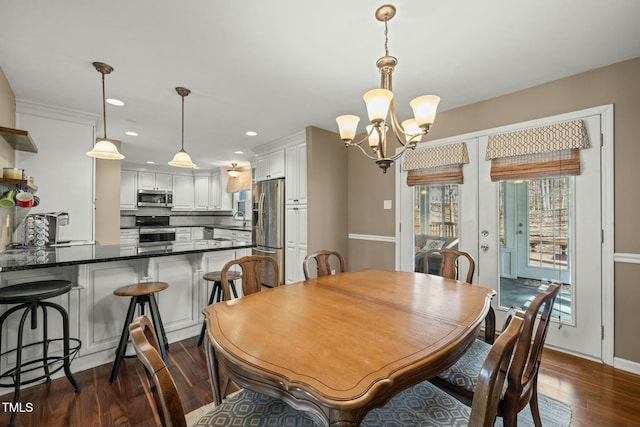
<point x="426" y="405"/>
<point x="256" y="270"/>
<point x="450" y="263"/>
<point x="522" y="381"/>
<point x="163" y="389"/>
<point x="243" y="408"/>
<point x="324" y="264"/>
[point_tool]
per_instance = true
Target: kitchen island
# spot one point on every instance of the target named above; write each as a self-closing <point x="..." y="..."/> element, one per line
<point x="96" y="315"/>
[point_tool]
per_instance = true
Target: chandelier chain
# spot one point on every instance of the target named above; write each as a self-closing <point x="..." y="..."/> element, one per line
<point x="386" y="38"/>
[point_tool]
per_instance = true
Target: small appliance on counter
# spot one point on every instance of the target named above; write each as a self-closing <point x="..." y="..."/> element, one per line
<point x="43" y="229"/>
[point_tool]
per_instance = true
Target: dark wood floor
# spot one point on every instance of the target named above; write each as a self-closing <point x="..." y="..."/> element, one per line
<point x="598" y="394"/>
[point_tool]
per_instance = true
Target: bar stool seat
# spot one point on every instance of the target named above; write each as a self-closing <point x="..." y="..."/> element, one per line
<point x="217" y="293"/>
<point x="141" y="293"/>
<point x="29" y="297"/>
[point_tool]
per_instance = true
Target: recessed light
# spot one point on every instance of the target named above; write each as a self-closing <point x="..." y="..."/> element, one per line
<point x="151" y="163"/>
<point x="115" y="102"/>
<point x="131" y="133"/>
<point x="238" y="152"/>
<point x="251" y="133"/>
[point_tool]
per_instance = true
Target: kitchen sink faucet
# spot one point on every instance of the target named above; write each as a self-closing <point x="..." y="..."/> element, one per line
<point x="240" y="215"/>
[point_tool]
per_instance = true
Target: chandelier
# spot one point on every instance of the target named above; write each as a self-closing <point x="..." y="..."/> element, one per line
<point x="380" y="104"/>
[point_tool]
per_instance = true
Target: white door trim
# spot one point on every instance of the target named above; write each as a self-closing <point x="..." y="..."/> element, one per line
<point x="606" y="111"/>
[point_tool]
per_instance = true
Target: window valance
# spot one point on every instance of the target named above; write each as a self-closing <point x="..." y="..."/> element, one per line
<point x="240" y="182"/>
<point x="436" y="165"/>
<point x="545" y="151"/>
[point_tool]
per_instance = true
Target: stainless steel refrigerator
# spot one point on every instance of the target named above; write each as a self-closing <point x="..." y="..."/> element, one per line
<point x="268" y="225"/>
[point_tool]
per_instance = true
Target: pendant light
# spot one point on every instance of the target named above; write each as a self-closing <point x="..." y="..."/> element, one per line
<point x="182" y="159"/>
<point x="104" y="148"/>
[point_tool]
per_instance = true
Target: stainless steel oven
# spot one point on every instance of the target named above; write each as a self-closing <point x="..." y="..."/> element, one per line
<point x="157" y="198"/>
<point x="155" y="230"/>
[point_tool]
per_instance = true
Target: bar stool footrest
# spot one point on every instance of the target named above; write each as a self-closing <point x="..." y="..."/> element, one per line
<point x="38" y="364"/>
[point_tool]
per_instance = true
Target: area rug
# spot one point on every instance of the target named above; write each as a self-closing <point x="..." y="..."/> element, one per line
<point x="552" y="412"/>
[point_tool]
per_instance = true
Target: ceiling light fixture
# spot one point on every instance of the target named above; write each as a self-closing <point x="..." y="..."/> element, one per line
<point x="380" y="103"/>
<point x="251" y="133"/>
<point x="131" y="133"/>
<point x="182" y="159"/>
<point x="104" y="148"/>
<point x="234" y="171"/>
<point x="116" y="102"/>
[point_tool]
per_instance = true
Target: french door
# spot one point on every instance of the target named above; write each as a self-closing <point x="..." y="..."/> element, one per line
<point x="527" y="234"/>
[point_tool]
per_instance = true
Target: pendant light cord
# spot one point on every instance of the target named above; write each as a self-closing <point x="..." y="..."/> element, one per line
<point x="182" y="122"/>
<point x="104" y="108"/>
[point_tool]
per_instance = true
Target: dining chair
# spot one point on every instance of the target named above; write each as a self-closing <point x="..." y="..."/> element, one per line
<point x="322" y="259"/>
<point x="450" y="268"/>
<point x="243" y="408"/>
<point x="255" y="268"/>
<point x="426" y="405"/>
<point x="522" y="382"/>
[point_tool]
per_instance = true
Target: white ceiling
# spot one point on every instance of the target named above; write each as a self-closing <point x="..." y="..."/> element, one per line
<point x="278" y="66"/>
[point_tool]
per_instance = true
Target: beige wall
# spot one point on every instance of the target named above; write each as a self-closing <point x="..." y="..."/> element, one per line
<point x="326" y="192"/>
<point x="108" y="175"/>
<point x="618" y="84"/>
<point x="7" y="158"/>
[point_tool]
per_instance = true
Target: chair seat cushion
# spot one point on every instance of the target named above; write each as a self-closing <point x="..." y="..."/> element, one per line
<point x="421" y="405"/>
<point x="248" y="408"/>
<point x="464" y="373"/>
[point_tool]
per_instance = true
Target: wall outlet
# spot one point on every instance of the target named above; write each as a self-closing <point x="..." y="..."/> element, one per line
<point x="387" y="204"/>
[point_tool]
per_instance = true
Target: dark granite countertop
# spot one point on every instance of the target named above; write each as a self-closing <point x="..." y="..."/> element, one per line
<point x="229" y="227"/>
<point x="48" y="257"/>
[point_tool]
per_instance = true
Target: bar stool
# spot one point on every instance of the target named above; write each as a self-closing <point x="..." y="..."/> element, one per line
<point x="141" y="294"/>
<point x="29" y="297"/>
<point x="217" y="293"/>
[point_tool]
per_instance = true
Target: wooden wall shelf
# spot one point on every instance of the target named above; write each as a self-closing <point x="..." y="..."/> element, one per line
<point x="18" y="139"/>
<point x="18" y="183"/>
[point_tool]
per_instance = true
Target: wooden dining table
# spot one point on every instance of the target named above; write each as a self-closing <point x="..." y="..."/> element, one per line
<point x="338" y="346"/>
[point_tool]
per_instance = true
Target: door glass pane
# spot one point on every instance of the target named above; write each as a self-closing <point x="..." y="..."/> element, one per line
<point x="435" y="220"/>
<point x="535" y="241"/>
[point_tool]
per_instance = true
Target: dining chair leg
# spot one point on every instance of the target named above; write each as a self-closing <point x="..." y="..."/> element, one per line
<point x="212" y="367"/>
<point x="533" y="403"/>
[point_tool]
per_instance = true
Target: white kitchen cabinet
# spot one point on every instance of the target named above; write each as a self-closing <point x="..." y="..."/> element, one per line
<point x="197" y="233"/>
<point x="183" y="192"/>
<point x="128" y="190"/>
<point x="219" y="199"/>
<point x="270" y="166"/>
<point x="225" y="233"/>
<point x="129" y="236"/>
<point x="296" y="242"/>
<point x="296" y="174"/>
<point x="154" y="181"/>
<point x="183" y="234"/>
<point x="202" y="193"/>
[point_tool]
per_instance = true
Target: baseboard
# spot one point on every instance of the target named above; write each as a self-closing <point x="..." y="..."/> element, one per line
<point x="626" y="365"/>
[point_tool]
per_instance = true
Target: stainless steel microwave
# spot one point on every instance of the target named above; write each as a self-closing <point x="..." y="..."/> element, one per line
<point x="157" y="198"/>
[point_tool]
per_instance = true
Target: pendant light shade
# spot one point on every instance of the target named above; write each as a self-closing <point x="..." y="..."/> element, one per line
<point x="182" y="159"/>
<point x="104" y="148"/>
<point x="234" y="171"/>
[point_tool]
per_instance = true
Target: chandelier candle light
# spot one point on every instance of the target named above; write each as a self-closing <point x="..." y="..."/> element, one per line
<point x="182" y="159"/>
<point x="380" y="104"/>
<point x="104" y="148"/>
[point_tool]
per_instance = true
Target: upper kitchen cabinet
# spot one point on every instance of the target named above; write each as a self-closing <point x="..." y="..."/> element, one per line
<point x="154" y="181"/>
<point x="183" y="192"/>
<point x="128" y="190"/>
<point x="296" y="168"/>
<point x="201" y="189"/>
<point x="219" y="199"/>
<point x="270" y="166"/>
